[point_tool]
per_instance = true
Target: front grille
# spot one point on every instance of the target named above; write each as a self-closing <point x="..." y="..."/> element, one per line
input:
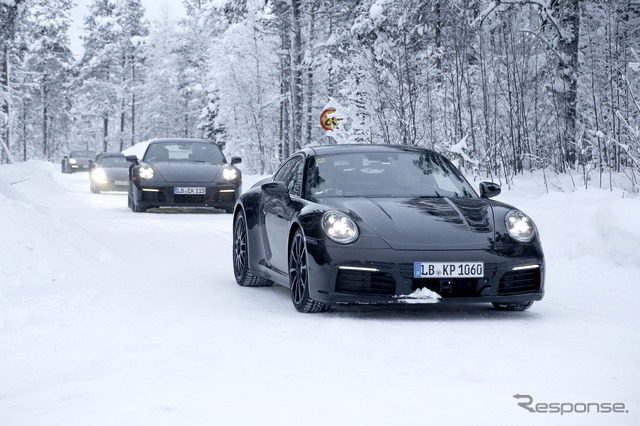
<point x="450" y="287"/>
<point x="515" y="282"/>
<point x="188" y="199"/>
<point x="365" y="282"/>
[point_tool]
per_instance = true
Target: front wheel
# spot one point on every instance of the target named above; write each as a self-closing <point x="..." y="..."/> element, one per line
<point x="241" y="269"/>
<point x="132" y="202"/>
<point x="299" y="277"/>
<point x="513" y="307"/>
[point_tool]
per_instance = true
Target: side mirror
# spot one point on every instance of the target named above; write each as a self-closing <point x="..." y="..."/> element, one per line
<point x="277" y="189"/>
<point x="132" y="159"/>
<point x="236" y="160"/>
<point x="489" y="189"/>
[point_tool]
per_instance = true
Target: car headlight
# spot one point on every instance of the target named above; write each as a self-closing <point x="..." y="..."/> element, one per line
<point x="98" y="175"/>
<point x="339" y="227"/>
<point x="145" y="172"/>
<point x="229" y="174"/>
<point x="520" y="226"/>
<point x="72" y="161"/>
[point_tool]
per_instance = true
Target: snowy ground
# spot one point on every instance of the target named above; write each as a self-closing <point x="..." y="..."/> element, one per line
<point x="111" y="317"/>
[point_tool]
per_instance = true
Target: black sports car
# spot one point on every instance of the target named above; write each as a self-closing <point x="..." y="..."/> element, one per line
<point x="110" y="172"/>
<point x="360" y="224"/>
<point x="77" y="161"/>
<point x="183" y="173"/>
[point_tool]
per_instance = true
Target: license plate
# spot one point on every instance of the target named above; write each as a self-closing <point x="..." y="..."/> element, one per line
<point x="448" y="269"/>
<point x="121" y="182"/>
<point x="189" y="190"/>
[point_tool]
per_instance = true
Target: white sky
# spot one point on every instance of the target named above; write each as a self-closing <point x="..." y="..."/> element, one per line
<point x="153" y="10"/>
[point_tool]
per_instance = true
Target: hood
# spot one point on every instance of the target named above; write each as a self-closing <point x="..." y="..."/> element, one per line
<point x="424" y="224"/>
<point x="177" y="171"/>
<point x="117" y="173"/>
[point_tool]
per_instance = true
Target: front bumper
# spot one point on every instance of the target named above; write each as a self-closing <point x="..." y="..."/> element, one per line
<point x="221" y="196"/>
<point x="111" y="186"/>
<point x="113" y="182"/>
<point x="388" y="277"/>
<point x="79" y="167"/>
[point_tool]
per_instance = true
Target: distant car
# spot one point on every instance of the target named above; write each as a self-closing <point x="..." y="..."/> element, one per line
<point x="381" y="224"/>
<point x="110" y="172"/>
<point x="183" y="173"/>
<point x="77" y="161"/>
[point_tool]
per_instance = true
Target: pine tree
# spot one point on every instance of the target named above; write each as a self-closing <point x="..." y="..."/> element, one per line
<point x="49" y="59"/>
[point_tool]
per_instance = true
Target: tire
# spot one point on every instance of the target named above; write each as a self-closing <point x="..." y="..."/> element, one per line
<point x="132" y="202"/>
<point x="241" y="269"/>
<point x="299" y="277"/>
<point x="94" y="189"/>
<point x="512" y="307"/>
<point x="136" y="208"/>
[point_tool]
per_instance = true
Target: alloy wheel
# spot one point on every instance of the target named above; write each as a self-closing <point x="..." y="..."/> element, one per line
<point x="298" y="269"/>
<point x="240" y="248"/>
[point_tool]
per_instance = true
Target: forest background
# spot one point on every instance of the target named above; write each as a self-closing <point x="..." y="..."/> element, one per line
<point x="502" y="87"/>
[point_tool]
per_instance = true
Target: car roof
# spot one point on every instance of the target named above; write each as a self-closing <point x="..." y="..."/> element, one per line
<point x="354" y="148"/>
<point x="111" y="154"/>
<point x="160" y="140"/>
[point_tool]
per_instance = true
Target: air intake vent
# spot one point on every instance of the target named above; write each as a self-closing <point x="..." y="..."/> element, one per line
<point x="515" y="282"/>
<point x="364" y="282"/>
<point x="190" y="198"/>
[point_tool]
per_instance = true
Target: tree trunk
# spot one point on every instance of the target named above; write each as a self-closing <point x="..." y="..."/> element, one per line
<point x="7" y="90"/>
<point x="105" y="133"/>
<point x="45" y="151"/>
<point x="296" y="80"/>
<point x="122" y="103"/>
<point x="309" y="119"/>
<point x="133" y="99"/>
<point x="567" y="70"/>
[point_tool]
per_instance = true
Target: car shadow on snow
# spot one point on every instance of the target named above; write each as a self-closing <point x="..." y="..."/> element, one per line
<point x="416" y="312"/>
<point x="182" y="210"/>
<point x="431" y="311"/>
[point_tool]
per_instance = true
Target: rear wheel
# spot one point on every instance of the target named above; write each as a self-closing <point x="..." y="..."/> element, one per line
<point x="513" y="307"/>
<point x="241" y="269"/>
<point x="299" y="277"/>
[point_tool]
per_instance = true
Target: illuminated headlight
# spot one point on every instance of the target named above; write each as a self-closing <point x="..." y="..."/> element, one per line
<point x="99" y="176"/>
<point x="145" y="172"/>
<point x="339" y="227"/>
<point x="520" y="226"/>
<point x="72" y="161"/>
<point x="229" y="174"/>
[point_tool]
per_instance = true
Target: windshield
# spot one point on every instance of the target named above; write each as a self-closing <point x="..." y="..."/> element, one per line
<point x="82" y="154"/>
<point x="386" y="174"/>
<point x="184" y="151"/>
<point x="116" y="161"/>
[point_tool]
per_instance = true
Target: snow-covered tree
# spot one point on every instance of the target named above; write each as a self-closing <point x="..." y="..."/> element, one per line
<point x="49" y="61"/>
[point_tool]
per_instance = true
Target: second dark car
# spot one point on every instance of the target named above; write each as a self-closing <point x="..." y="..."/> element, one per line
<point x="110" y="172"/>
<point x="183" y="173"/>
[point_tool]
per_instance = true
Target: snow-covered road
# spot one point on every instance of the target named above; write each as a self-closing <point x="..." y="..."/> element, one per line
<point x="113" y="317"/>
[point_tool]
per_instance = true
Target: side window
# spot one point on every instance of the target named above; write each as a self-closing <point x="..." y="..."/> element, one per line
<point x="291" y="175"/>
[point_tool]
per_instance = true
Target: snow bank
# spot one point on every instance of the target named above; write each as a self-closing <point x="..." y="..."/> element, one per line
<point x="39" y="252"/>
